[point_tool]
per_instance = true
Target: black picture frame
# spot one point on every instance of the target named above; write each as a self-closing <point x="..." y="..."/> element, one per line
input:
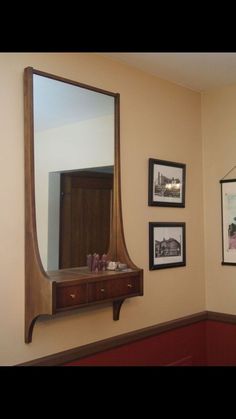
<point x="166" y="183"/>
<point x="228" y="221"/>
<point x="167" y="245"/>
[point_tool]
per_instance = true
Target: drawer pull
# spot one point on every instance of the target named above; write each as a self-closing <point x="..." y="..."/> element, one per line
<point x="130" y="286"/>
<point x="72" y="296"/>
<point x="102" y="289"/>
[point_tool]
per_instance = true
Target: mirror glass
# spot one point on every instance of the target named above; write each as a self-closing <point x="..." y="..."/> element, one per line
<point x="74" y="143"/>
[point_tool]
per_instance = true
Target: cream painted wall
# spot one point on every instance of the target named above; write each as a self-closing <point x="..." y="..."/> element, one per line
<point x="219" y="150"/>
<point x="158" y="119"/>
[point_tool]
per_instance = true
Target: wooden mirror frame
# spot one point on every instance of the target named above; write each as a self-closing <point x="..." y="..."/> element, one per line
<point x="40" y="286"/>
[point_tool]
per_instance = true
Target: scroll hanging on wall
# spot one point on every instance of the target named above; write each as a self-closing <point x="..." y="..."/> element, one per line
<point x="228" y="213"/>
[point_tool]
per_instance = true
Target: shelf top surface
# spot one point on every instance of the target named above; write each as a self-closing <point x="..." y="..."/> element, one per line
<point x="83" y="274"/>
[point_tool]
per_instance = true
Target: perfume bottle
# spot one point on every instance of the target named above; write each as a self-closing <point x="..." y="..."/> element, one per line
<point x="104" y="262"/>
<point x="89" y="262"/>
<point x="95" y="262"/>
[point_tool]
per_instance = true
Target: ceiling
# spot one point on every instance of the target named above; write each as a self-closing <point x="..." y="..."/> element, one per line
<point x="197" y="71"/>
<point x="57" y="103"/>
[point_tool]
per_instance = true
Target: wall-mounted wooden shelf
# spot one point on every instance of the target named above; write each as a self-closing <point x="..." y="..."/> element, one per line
<point x="77" y="287"/>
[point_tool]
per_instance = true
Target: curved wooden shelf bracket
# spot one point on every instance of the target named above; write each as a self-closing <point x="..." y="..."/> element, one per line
<point x="116" y="308"/>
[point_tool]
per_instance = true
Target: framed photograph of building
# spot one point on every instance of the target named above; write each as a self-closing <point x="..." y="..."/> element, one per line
<point x="228" y="212"/>
<point x="166" y="183"/>
<point x="166" y="245"/>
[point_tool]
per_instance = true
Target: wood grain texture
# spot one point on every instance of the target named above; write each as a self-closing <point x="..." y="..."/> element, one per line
<point x="85" y="216"/>
<point x="38" y="286"/>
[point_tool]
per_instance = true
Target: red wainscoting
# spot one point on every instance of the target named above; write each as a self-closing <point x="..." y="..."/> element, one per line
<point x="207" y="343"/>
<point x="220" y="343"/>
<point x="182" y="346"/>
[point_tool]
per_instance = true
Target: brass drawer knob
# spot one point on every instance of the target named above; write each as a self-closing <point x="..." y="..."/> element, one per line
<point x="130" y="286"/>
<point x="102" y="289"/>
<point x="72" y="296"/>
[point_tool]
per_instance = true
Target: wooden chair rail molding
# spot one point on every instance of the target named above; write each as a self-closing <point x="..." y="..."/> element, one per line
<point x="221" y="317"/>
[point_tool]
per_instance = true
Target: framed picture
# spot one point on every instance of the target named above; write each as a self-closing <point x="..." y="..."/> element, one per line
<point x="166" y="245"/>
<point x="166" y="183"/>
<point x="228" y="210"/>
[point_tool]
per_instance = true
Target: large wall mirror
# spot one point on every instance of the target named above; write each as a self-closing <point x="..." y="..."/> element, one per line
<point x="72" y="196"/>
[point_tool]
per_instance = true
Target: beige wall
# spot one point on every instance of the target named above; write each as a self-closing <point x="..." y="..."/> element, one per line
<point x="159" y="120"/>
<point x="219" y="146"/>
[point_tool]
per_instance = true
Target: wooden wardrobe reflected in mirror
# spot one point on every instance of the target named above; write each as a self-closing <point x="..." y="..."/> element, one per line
<point x="85" y="216"/>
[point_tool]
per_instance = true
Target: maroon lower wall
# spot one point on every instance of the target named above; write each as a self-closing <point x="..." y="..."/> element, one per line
<point x="220" y="343"/>
<point x="182" y="346"/>
<point x="207" y="343"/>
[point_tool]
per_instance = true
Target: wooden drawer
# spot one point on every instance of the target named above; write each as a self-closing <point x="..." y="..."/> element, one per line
<point x="113" y="288"/>
<point x="71" y="296"/>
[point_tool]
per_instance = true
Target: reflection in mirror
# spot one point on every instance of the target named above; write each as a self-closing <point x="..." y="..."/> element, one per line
<point x="74" y="162"/>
